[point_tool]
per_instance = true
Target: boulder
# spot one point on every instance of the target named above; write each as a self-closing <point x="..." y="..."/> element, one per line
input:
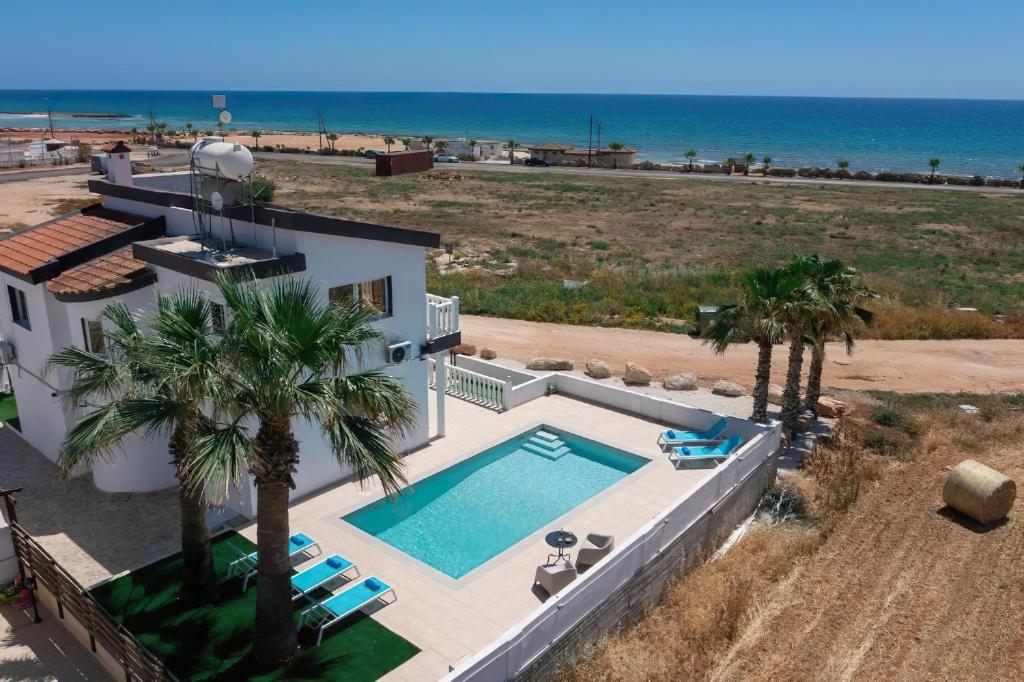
<point x="775" y="394"/>
<point x="680" y="382"/>
<point x="830" y="407"/>
<point x="464" y="349"/>
<point x="598" y="369"/>
<point x="549" y="364"/>
<point x="488" y="354"/>
<point x="636" y="375"/>
<point x="727" y="388"/>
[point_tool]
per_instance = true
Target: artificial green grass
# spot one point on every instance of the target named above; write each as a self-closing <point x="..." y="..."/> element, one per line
<point x="214" y="642"/>
<point x="9" y="410"/>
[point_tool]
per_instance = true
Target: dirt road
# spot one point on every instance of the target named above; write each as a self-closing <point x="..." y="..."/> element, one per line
<point x="981" y="366"/>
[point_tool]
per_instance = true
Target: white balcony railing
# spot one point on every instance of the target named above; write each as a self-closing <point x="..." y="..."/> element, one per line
<point x="472" y="387"/>
<point x="442" y="316"/>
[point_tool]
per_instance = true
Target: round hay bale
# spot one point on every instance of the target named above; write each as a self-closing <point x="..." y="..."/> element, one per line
<point x="979" y="492"/>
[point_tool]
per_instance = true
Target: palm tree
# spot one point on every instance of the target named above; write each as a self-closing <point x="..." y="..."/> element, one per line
<point x="842" y="164"/>
<point x="826" y="286"/>
<point x="331" y="139"/>
<point x="388" y="140"/>
<point x="406" y="141"/>
<point x="256" y="134"/>
<point x="615" y="147"/>
<point x="847" y="315"/>
<point x="427" y="140"/>
<point x="439" y="146"/>
<point x="749" y="158"/>
<point x="730" y="165"/>
<point x="760" y="316"/>
<point x="767" y="161"/>
<point x="691" y="154"/>
<point x="512" y="144"/>
<point x="155" y="384"/>
<point x="190" y="130"/>
<point x="289" y="353"/>
<point x="934" y="163"/>
<point x="472" y="152"/>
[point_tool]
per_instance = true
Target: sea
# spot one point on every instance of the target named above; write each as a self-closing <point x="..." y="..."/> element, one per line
<point x="970" y="137"/>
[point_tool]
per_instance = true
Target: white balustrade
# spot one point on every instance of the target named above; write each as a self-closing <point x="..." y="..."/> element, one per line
<point x="472" y="387"/>
<point x="442" y="316"/>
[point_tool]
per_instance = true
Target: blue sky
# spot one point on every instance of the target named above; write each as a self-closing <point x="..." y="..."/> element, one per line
<point x="897" y="48"/>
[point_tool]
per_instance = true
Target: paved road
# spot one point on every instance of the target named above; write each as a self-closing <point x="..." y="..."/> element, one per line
<point x="653" y="175"/>
<point x="15" y="176"/>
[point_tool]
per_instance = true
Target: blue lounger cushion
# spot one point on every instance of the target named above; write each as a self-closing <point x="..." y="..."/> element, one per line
<point x="710" y="433"/>
<point x="322" y="572"/>
<point x="298" y="541"/>
<point x="722" y="449"/>
<point x="355" y="597"/>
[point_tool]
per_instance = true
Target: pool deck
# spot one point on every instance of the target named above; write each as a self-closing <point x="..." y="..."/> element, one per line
<point x="451" y="619"/>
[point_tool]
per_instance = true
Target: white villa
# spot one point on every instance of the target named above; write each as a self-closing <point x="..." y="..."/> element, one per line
<point x="530" y="465"/>
<point x="59" y="275"/>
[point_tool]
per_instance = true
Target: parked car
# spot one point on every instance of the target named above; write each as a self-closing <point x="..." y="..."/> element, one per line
<point x="371" y="154"/>
<point x="446" y="158"/>
<point x="536" y="162"/>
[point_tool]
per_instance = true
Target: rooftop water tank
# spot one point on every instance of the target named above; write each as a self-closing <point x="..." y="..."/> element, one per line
<point x="213" y="156"/>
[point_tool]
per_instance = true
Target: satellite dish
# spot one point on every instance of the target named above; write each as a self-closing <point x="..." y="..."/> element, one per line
<point x="217" y="201"/>
<point x="224" y="117"/>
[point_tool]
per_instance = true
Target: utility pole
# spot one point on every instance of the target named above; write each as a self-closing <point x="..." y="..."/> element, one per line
<point x="49" y="114"/>
<point x="599" y="136"/>
<point x="590" y="142"/>
<point x="320" y="127"/>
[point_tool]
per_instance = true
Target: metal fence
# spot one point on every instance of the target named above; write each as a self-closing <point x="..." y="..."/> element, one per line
<point x="73" y="599"/>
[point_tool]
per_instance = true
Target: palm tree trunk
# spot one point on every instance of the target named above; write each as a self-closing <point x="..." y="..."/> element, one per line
<point x="814" y="379"/>
<point x="761" y="380"/>
<point x="199" y="580"/>
<point x="275" y="453"/>
<point x="791" y="395"/>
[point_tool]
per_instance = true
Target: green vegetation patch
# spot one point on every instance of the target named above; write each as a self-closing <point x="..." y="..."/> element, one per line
<point x="9" y="410"/>
<point x="214" y="642"/>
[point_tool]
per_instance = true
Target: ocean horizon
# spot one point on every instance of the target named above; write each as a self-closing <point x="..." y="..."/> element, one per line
<point x="969" y="136"/>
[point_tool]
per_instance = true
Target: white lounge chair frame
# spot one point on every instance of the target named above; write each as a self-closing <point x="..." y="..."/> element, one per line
<point x="322" y="617"/>
<point x="245" y="564"/>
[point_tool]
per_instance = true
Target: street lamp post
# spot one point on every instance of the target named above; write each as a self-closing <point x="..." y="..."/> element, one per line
<point x="49" y="114"/>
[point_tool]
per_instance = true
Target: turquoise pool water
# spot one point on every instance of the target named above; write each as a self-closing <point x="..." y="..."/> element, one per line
<point x="463" y="516"/>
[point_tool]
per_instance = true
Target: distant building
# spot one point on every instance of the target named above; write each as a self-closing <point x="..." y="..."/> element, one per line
<point x="481" y="150"/>
<point x="563" y="154"/>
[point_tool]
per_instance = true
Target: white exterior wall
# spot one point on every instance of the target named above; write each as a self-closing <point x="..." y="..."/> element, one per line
<point x="330" y="261"/>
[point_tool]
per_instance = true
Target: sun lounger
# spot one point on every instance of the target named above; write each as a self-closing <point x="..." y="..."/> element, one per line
<point x="715" y="453"/>
<point x="245" y="564"/>
<point x="353" y="598"/>
<point x="712" y="434"/>
<point x="321" y="573"/>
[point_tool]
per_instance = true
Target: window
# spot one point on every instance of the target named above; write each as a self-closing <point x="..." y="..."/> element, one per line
<point x="374" y="295"/>
<point x="92" y="336"/>
<point x="19" y="307"/>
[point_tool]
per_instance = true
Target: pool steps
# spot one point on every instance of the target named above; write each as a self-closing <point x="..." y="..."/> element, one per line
<point x="546" y="444"/>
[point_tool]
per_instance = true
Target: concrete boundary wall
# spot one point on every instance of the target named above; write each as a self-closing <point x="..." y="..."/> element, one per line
<point x="621" y="586"/>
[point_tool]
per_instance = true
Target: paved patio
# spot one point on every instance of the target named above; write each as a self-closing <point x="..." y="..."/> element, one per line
<point x="93" y="534"/>
<point x="451" y="619"/>
<point x="43" y="651"/>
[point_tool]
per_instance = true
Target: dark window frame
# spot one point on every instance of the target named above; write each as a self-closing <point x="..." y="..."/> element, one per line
<point x="19" y="307"/>
<point x="356" y="292"/>
<point x="93" y="339"/>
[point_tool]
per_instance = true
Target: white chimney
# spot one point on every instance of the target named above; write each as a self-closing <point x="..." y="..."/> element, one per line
<point x="119" y="163"/>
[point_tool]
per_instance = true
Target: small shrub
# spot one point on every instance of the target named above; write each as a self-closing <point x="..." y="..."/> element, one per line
<point x="599" y="245"/>
<point x="886" y="415"/>
<point x="262" y="188"/>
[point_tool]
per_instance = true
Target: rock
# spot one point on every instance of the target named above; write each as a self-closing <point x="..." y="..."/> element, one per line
<point x="680" y="382"/>
<point x="775" y="394"/>
<point x="598" y="369"/>
<point x="488" y="354"/>
<point x="549" y="364"/>
<point x="464" y="349"/>
<point x="830" y="407"/>
<point x="636" y="375"/>
<point x="727" y="388"/>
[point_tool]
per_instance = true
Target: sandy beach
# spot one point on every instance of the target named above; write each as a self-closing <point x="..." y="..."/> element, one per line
<point x="288" y="139"/>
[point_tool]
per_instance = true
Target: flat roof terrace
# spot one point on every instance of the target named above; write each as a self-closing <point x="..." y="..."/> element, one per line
<point x="451" y="619"/>
<point x="205" y="257"/>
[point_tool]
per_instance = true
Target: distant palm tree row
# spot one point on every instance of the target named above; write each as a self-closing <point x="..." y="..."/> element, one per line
<point x="806" y="302"/>
<point x="226" y="385"/>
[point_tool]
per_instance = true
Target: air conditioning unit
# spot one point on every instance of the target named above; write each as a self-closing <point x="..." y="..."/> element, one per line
<point x="399" y="352"/>
<point x="7" y="355"/>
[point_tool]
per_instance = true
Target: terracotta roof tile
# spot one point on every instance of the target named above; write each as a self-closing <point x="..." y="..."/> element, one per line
<point x="25" y="251"/>
<point x="100" y="274"/>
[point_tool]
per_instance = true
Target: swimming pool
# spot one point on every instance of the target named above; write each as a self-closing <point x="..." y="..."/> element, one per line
<point x="463" y="516"/>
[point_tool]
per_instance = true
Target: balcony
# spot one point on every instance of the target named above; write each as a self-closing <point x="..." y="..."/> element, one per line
<point x="442" y="323"/>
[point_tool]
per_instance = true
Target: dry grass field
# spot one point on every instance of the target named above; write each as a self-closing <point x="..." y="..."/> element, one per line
<point x="651" y="250"/>
<point x="879" y="580"/>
